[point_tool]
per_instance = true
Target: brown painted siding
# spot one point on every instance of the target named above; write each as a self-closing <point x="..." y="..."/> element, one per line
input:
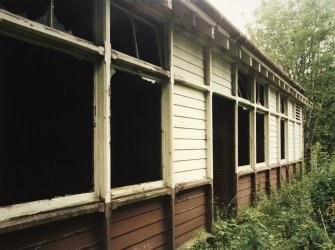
<point x="140" y="226"/>
<point x="291" y="170"/>
<point x="82" y="232"/>
<point x="190" y="214"/>
<point x="262" y="182"/>
<point x="274" y="179"/>
<point x="283" y="174"/>
<point x="244" y="191"/>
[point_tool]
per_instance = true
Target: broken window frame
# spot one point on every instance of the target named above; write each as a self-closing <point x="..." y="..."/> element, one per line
<point x="133" y="16"/>
<point x="35" y="33"/>
<point x="258" y="84"/>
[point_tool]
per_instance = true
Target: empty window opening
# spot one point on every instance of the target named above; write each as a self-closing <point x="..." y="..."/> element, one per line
<point x="46" y="129"/>
<point x="71" y="16"/>
<point x="223" y="149"/>
<point x="260" y="94"/>
<point x="283" y="104"/>
<point x="243" y="136"/>
<point x="282" y="139"/>
<point x="134" y="36"/>
<point x="135" y="130"/>
<point x="244" y="89"/>
<point x="260" y="138"/>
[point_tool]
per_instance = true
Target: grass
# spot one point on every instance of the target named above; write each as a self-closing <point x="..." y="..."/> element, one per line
<point x="299" y="216"/>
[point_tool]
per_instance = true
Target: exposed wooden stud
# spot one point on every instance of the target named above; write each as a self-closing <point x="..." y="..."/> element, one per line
<point x="236" y="136"/>
<point x="256" y="65"/>
<point x="253" y="142"/>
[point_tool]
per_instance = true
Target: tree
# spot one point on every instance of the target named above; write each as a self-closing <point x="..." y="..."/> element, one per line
<point x="299" y="35"/>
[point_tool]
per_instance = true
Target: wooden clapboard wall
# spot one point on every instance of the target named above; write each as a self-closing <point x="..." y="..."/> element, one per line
<point x="189" y="134"/>
<point x="262" y="182"/>
<point x="272" y="100"/>
<point x="298" y="141"/>
<point x="141" y="225"/>
<point x="83" y="232"/>
<point x="291" y="141"/>
<point x="188" y="59"/>
<point x="273" y="139"/>
<point x="245" y="191"/>
<point x="221" y="76"/>
<point x="191" y="209"/>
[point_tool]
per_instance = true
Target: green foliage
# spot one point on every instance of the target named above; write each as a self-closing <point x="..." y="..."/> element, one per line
<point x="299" y="216"/>
<point x="300" y="36"/>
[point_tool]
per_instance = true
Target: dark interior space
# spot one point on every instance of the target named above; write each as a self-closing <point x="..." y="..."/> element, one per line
<point x="223" y="149"/>
<point x="282" y="139"/>
<point x="73" y="16"/>
<point x="135" y="130"/>
<point x="46" y="129"/>
<point x="260" y="94"/>
<point x="282" y="104"/>
<point x="243" y="136"/>
<point x="134" y="37"/>
<point x="244" y="89"/>
<point x="260" y="138"/>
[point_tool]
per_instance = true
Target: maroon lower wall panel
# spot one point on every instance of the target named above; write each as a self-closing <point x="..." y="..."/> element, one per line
<point x="283" y="174"/>
<point x="83" y="232"/>
<point x="274" y="179"/>
<point x="262" y="182"/>
<point x="245" y="191"/>
<point x="190" y="214"/>
<point x="141" y="225"/>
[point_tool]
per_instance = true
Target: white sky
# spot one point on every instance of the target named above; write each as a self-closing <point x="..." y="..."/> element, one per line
<point x="238" y="12"/>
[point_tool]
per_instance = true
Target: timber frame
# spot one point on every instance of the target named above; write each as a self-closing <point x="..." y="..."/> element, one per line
<point x="187" y="142"/>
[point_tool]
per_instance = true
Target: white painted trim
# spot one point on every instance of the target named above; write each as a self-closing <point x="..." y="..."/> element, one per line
<point x="137" y="188"/>
<point x="34" y="207"/>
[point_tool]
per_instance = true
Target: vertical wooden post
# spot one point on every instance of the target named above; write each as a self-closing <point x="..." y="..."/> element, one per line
<point x="106" y="227"/>
<point x="172" y="218"/>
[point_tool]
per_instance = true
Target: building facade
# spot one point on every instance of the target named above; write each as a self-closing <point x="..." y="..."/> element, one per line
<point x="123" y="120"/>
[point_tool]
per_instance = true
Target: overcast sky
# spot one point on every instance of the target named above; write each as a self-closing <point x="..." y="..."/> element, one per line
<point x="237" y="11"/>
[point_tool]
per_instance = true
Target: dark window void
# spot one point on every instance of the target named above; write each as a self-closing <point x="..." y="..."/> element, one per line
<point x="223" y="149"/>
<point x="282" y="139"/>
<point x="244" y="89"/>
<point x="72" y="16"/>
<point x="135" y="130"/>
<point x="243" y="137"/>
<point x="46" y="129"/>
<point x="260" y="94"/>
<point x="134" y="37"/>
<point x="260" y="138"/>
<point x="283" y="101"/>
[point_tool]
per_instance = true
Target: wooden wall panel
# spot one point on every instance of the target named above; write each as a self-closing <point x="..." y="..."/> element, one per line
<point x="273" y="139"/>
<point x="272" y="99"/>
<point x="140" y="226"/>
<point x="188" y="59"/>
<point x="262" y="182"/>
<point x="190" y="144"/>
<point x="283" y="174"/>
<point x="221" y="76"/>
<point x="274" y="179"/>
<point x="291" y="170"/>
<point x="291" y="141"/>
<point x="245" y="191"/>
<point x="290" y="111"/>
<point x="191" y="210"/>
<point x="83" y="232"/>
<point x="298" y="142"/>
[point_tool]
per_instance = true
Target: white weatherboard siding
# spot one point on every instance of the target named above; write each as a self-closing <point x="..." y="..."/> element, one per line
<point x="273" y="139"/>
<point x="188" y="60"/>
<point x="291" y="141"/>
<point x="298" y="141"/>
<point x="189" y="161"/>
<point x="272" y="100"/>
<point x="221" y="76"/>
<point x="290" y="109"/>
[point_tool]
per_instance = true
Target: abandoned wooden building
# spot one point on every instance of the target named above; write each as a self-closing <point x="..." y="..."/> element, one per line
<point x="121" y="120"/>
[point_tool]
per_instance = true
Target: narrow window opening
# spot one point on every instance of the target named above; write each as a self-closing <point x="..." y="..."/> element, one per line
<point x="283" y="104"/>
<point x="46" y="129"/>
<point x="260" y="138"/>
<point x="135" y="130"/>
<point x="282" y="139"/>
<point x="244" y="90"/>
<point x="71" y="16"/>
<point x="260" y="94"/>
<point x="134" y="37"/>
<point x="243" y="136"/>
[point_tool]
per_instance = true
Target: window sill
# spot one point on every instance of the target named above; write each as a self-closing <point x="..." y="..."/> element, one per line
<point x="245" y="169"/>
<point x="261" y="166"/>
<point x="30" y="220"/>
